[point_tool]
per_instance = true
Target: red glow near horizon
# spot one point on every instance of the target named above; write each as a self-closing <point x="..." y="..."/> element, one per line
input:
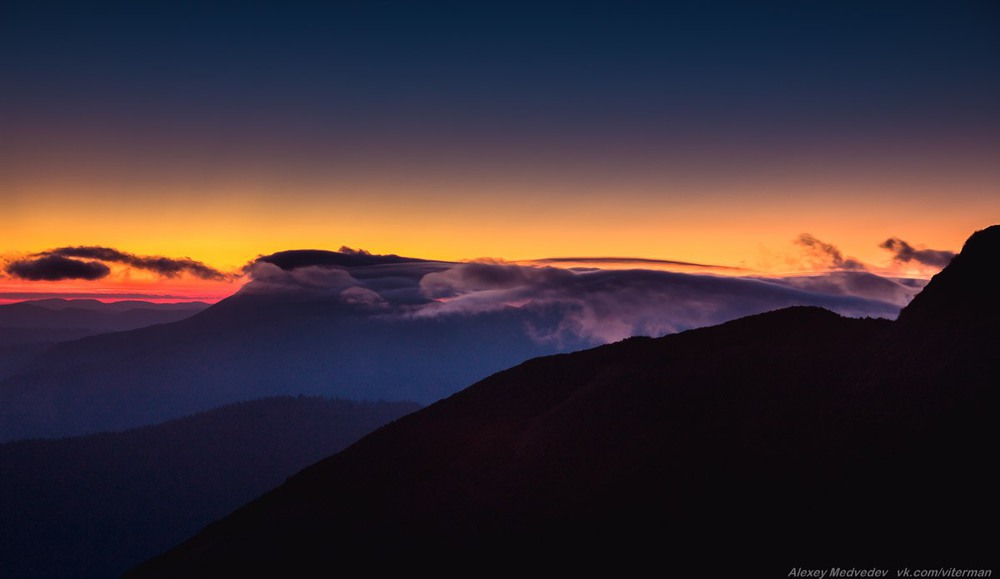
<point x="155" y="290"/>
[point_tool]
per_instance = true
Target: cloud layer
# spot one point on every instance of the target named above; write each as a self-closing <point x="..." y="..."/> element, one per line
<point x="609" y="305"/>
<point x="558" y="304"/>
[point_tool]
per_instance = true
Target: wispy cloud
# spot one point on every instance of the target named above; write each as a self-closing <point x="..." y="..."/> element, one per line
<point x="64" y="263"/>
<point x="162" y="266"/>
<point x="903" y="252"/>
<point x="827" y="255"/>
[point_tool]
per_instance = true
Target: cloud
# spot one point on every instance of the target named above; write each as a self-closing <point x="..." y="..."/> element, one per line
<point x="346" y="257"/>
<point x="326" y="281"/>
<point x="267" y="277"/>
<point x="565" y="305"/>
<point x="861" y="284"/>
<point x="632" y="261"/>
<point x="360" y="296"/>
<point x="905" y="253"/>
<point x="478" y="276"/>
<point x="354" y="276"/>
<point x="609" y="305"/>
<point x="568" y="306"/>
<point x="827" y="254"/>
<point x="56" y="267"/>
<point x="162" y="266"/>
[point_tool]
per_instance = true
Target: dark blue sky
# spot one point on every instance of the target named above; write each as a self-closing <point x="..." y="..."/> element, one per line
<point x="538" y="69"/>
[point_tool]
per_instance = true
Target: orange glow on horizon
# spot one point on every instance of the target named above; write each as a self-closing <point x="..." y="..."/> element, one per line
<point x="225" y="230"/>
<point x="729" y="220"/>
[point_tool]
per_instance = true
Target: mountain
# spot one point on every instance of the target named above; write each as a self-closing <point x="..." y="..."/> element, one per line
<point x="94" y="506"/>
<point x="795" y="438"/>
<point x="29" y="328"/>
<point x="89" y="315"/>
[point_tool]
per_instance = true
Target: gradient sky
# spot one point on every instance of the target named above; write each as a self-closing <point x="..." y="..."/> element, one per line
<point x="713" y="132"/>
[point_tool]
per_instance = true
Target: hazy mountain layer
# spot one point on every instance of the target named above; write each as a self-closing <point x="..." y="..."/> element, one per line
<point x="29" y="328"/>
<point x="94" y="506"/>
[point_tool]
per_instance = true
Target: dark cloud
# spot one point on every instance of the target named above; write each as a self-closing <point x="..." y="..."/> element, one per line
<point x="346" y="257"/>
<point x="163" y="266"/>
<point x="904" y="252"/>
<point x="56" y="267"/>
<point x="828" y="254"/>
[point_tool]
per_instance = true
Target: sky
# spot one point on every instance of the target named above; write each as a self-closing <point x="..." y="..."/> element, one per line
<point x="710" y="133"/>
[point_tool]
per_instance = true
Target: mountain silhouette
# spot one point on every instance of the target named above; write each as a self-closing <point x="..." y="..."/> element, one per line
<point x="97" y="505"/>
<point x="795" y="438"/>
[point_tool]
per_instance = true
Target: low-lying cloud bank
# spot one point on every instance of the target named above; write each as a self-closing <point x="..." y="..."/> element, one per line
<point x="592" y="304"/>
<point x="608" y="305"/>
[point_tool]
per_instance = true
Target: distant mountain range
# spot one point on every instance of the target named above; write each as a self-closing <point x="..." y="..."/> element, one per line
<point x="29" y="328"/>
<point x="86" y="317"/>
<point x="94" y="506"/>
<point x="251" y="346"/>
<point x="795" y="438"/>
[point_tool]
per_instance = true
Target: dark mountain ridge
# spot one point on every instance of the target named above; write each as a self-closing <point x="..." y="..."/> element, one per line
<point x="795" y="438"/>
